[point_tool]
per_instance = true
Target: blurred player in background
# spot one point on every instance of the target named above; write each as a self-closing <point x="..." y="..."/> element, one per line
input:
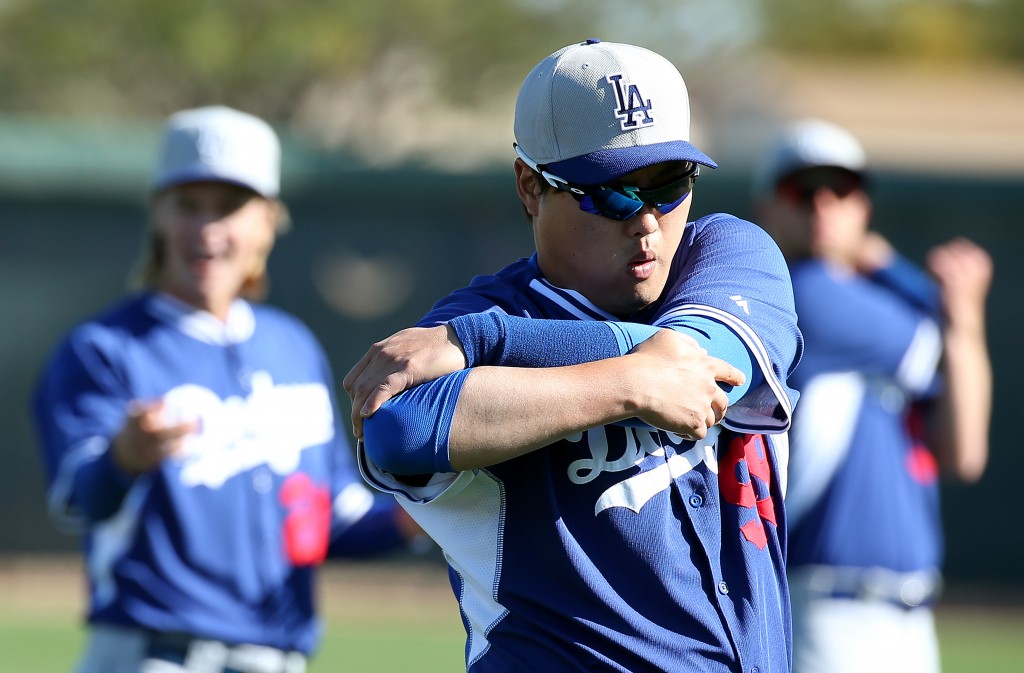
<point x="596" y="435"/>
<point x="192" y="432"/>
<point x="895" y="383"/>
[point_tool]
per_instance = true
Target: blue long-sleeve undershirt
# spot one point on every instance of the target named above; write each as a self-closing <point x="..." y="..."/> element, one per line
<point x="100" y="487"/>
<point x="409" y="434"/>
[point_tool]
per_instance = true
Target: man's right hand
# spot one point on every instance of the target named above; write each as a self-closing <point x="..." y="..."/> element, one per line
<point x="147" y="439"/>
<point x="402" y="361"/>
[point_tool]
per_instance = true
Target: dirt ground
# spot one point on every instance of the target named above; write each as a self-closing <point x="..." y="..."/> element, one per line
<point x="54" y="585"/>
<point x="49" y="585"/>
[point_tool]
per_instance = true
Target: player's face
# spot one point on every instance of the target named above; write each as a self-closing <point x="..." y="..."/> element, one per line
<point x="215" y="237"/>
<point x="621" y="267"/>
<point x="824" y="213"/>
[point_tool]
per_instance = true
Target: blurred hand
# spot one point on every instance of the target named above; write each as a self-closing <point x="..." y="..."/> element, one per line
<point x="402" y="361"/>
<point x="963" y="271"/>
<point x="874" y="253"/>
<point x="680" y="382"/>
<point x="415" y="537"/>
<point x="147" y="439"/>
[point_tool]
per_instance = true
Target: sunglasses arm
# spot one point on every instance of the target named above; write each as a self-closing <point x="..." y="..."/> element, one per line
<point x="550" y="178"/>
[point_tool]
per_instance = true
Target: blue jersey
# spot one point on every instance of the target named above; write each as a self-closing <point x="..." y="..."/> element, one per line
<point x="221" y="541"/>
<point x="863" y="489"/>
<point x="630" y="548"/>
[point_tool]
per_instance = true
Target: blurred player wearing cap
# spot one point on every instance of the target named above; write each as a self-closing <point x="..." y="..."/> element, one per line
<point x="895" y="374"/>
<point x="191" y="433"/>
<point x="596" y="435"/>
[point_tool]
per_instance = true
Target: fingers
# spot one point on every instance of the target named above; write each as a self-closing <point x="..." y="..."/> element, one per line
<point x="959" y="258"/>
<point x="146" y="439"/>
<point x="714" y="415"/>
<point x="726" y="373"/>
<point x="348" y="383"/>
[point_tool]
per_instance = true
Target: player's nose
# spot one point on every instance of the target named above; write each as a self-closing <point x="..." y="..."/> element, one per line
<point x="644" y="222"/>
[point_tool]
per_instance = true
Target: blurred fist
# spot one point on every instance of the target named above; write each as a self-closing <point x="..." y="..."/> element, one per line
<point x="874" y="253"/>
<point x="148" y="437"/>
<point x="963" y="271"/>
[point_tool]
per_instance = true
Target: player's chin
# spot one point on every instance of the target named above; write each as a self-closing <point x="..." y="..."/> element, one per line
<point x="640" y="297"/>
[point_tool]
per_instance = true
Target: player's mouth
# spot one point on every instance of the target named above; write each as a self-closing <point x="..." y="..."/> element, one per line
<point x="202" y="262"/>
<point x="641" y="266"/>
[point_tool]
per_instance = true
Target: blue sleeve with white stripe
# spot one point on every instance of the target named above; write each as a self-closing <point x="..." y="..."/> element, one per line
<point x="495" y="338"/>
<point x="78" y="407"/>
<point x="409" y="434"/>
<point x="731" y="271"/>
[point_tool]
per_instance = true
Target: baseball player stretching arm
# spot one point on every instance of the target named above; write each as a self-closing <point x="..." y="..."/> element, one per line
<point x="599" y="446"/>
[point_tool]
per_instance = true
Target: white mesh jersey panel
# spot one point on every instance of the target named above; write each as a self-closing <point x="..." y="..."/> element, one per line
<point x="464" y="514"/>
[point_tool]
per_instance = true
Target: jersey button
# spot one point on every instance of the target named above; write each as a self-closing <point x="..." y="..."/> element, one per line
<point x="696" y="500"/>
<point x="245" y="379"/>
<point x="262" y="482"/>
<point x="723" y="588"/>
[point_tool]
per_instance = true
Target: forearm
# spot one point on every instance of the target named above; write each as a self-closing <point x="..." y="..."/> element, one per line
<point x="481" y="416"/>
<point x="478" y="417"/>
<point x="498" y="339"/>
<point x="909" y="282"/>
<point x="375" y="532"/>
<point x="960" y="435"/>
<point x="495" y="421"/>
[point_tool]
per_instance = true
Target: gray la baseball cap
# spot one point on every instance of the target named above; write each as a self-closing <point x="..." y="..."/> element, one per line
<point x="221" y="144"/>
<point x="595" y="111"/>
<point x="810" y="143"/>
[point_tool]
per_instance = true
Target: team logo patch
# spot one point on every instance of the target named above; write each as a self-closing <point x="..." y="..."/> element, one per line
<point x="211" y="146"/>
<point x="745" y="480"/>
<point x="632" y="109"/>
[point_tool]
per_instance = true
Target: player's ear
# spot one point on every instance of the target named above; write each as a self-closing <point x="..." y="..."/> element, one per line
<point x="529" y="187"/>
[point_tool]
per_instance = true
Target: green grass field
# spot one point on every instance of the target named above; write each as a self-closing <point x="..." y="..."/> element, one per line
<point x="397" y="620"/>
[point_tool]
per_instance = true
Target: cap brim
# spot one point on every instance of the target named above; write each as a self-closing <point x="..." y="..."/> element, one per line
<point x="205" y="174"/>
<point x="607" y="165"/>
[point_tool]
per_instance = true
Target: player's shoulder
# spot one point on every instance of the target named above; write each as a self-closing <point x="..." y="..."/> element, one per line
<point x="825" y="294"/>
<point x="270" y="320"/>
<point x="813" y="277"/>
<point x="725" y="226"/>
<point x="268" y="314"/>
<point x="511" y="279"/>
<point x="119" y="320"/>
<point x="505" y="289"/>
<point x="106" y="333"/>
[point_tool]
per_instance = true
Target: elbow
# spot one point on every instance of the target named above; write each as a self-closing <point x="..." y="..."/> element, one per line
<point x="970" y="470"/>
<point x="397" y="446"/>
<point x="966" y="465"/>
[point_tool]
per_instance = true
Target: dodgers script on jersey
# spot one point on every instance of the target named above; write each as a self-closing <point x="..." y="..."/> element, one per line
<point x="262" y="492"/>
<point x="859" y="383"/>
<point x="629" y="548"/>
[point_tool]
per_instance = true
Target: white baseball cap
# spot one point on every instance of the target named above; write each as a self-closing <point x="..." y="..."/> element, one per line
<point x="810" y="143"/>
<point x="220" y="144"/>
<point x="595" y="111"/>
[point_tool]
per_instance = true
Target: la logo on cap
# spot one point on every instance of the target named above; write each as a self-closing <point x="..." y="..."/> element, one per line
<point x="630" y="104"/>
<point x="211" y="145"/>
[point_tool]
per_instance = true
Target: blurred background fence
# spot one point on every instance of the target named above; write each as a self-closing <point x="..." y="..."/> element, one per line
<point x="396" y="119"/>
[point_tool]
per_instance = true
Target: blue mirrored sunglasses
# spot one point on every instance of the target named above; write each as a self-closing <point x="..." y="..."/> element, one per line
<point x="617" y="202"/>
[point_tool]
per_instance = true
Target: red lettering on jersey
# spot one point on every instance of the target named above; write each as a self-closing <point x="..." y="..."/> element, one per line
<point x="922" y="466"/>
<point x="307" y="526"/>
<point x="746" y="459"/>
<point x="921" y="463"/>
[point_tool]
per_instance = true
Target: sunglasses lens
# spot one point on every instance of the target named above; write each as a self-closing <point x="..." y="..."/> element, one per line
<point x="666" y="208"/>
<point x="801" y="188"/>
<point x="611" y="204"/>
<point x="622" y="204"/>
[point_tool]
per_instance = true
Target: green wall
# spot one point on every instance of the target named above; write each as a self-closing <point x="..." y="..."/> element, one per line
<point x="65" y="254"/>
